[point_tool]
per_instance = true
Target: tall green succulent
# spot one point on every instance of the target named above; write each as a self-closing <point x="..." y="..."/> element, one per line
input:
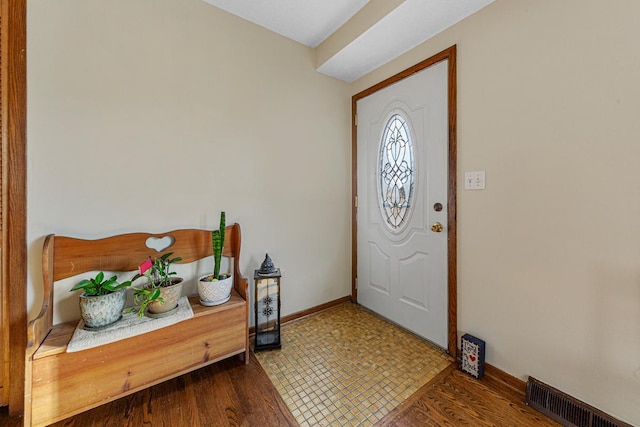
<point x="217" y="240"/>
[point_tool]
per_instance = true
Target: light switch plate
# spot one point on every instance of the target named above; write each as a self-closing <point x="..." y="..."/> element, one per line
<point x="474" y="180"/>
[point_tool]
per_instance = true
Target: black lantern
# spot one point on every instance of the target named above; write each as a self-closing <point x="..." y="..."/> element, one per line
<point x="267" y="294"/>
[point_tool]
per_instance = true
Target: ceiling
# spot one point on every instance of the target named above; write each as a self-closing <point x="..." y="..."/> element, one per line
<point x="354" y="37"/>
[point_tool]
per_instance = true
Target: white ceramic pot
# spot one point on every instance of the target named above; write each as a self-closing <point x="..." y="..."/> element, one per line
<point x="171" y="295"/>
<point x="99" y="311"/>
<point x="214" y="293"/>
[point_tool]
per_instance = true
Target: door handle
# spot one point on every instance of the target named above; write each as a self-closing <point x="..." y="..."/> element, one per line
<point x="437" y="228"/>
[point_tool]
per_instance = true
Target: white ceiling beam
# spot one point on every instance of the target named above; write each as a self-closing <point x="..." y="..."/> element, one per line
<point x="363" y="20"/>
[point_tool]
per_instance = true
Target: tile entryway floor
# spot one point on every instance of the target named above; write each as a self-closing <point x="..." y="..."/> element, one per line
<point x="348" y="367"/>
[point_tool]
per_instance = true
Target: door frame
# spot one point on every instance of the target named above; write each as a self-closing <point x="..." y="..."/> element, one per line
<point x="450" y="55"/>
<point x="13" y="283"/>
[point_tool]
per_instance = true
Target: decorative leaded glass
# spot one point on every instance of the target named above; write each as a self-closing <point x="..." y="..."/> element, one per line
<point x="396" y="171"/>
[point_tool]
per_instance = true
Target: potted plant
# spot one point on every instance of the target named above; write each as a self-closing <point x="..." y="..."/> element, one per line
<point x="159" y="296"/>
<point x="103" y="300"/>
<point x="215" y="288"/>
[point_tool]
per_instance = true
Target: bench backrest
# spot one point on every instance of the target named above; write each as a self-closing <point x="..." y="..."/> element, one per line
<point x="64" y="257"/>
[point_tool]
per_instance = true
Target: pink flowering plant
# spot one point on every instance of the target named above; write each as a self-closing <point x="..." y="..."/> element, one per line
<point x="158" y="274"/>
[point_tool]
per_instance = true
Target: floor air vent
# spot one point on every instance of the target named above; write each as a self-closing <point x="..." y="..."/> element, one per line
<point x="565" y="409"/>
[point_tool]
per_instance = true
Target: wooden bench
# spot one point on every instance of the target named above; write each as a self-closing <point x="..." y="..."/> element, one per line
<point x="60" y="384"/>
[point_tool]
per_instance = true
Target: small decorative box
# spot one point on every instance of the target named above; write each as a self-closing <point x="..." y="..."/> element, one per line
<point x="472" y="356"/>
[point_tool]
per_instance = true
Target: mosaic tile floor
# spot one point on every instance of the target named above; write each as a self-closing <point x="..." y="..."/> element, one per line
<point x="348" y="367"/>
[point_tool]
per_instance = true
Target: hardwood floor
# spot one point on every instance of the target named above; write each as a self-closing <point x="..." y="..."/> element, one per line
<point x="230" y="393"/>
<point x="227" y="393"/>
<point x="453" y="398"/>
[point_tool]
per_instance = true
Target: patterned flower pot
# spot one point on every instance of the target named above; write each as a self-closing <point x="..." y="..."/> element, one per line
<point x="216" y="292"/>
<point x="98" y="311"/>
<point x="171" y="295"/>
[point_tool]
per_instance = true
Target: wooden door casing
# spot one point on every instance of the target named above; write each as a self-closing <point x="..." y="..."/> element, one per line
<point x="13" y="271"/>
<point x="450" y="55"/>
<point x="4" y="335"/>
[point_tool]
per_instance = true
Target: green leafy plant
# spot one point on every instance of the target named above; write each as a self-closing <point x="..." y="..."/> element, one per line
<point x="142" y="297"/>
<point x="98" y="285"/>
<point x="158" y="274"/>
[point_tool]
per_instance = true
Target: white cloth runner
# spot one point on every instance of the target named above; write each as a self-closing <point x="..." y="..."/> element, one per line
<point x="129" y="326"/>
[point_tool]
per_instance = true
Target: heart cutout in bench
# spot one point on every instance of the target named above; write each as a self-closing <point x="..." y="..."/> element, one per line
<point x="160" y="243"/>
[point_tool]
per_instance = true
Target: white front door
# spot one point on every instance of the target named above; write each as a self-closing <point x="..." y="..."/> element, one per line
<point x="402" y="146"/>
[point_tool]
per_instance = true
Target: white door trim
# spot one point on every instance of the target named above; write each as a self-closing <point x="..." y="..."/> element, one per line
<point x="450" y="55"/>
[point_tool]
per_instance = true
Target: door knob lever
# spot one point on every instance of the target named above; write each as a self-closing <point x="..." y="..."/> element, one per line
<point x="437" y="228"/>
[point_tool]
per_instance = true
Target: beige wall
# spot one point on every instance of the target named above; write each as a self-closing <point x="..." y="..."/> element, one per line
<point x="121" y="93"/>
<point x="156" y="115"/>
<point x="549" y="253"/>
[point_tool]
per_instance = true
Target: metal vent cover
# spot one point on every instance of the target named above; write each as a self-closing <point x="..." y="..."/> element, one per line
<point x="565" y="409"/>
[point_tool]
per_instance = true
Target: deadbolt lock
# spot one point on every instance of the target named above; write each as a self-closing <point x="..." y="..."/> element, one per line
<point x="437" y="228"/>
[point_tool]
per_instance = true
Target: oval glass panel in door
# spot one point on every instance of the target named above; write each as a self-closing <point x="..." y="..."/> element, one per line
<point x="396" y="171"/>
